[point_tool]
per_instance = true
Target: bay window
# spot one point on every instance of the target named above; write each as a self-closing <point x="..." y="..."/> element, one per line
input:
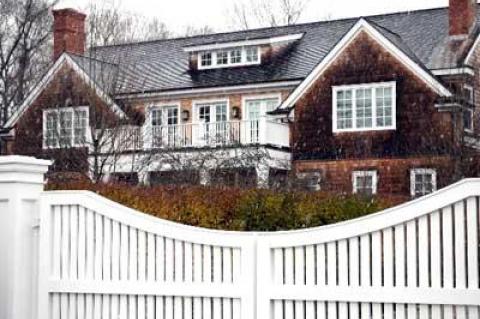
<point x="65" y="127"/>
<point x="364" y="107"/>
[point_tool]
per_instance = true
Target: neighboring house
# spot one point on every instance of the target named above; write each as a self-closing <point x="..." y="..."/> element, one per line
<point x="384" y="104"/>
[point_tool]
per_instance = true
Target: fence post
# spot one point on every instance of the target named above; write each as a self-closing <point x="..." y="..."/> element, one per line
<point x="21" y="182"/>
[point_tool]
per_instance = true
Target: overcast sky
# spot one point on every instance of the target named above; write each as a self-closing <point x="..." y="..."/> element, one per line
<point x="178" y="13"/>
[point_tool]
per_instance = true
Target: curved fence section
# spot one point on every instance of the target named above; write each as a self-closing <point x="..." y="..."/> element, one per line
<point x="420" y="260"/>
<point x="102" y="260"/>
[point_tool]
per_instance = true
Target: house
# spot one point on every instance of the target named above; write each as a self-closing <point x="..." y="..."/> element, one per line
<point x="381" y="104"/>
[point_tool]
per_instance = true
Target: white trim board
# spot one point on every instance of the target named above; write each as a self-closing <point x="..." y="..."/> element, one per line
<point x="242" y="43"/>
<point x="248" y="88"/>
<point x="363" y="25"/>
<point x="49" y="76"/>
<point x="454" y="71"/>
<point x="472" y="49"/>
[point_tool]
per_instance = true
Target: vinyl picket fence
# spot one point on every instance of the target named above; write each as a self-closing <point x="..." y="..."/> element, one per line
<point x="93" y="258"/>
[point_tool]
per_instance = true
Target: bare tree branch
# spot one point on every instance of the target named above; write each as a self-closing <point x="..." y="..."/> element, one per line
<point x="24" y="49"/>
<point x="266" y="13"/>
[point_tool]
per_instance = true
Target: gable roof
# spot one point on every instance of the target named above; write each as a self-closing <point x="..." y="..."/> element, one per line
<point x="87" y="75"/>
<point x="163" y="65"/>
<point x="390" y="41"/>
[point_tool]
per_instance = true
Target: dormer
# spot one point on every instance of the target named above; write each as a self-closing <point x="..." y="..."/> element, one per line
<point x="244" y="52"/>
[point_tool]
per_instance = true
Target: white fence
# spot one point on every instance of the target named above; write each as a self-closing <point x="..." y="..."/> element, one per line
<point x="97" y="259"/>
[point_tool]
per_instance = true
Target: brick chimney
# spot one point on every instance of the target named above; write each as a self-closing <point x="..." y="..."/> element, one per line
<point x="462" y="16"/>
<point x="68" y="32"/>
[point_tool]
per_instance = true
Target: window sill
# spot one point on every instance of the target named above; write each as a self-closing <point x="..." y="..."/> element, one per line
<point x="364" y="131"/>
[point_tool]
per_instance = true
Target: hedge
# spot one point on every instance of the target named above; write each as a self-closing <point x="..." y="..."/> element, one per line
<point x="236" y="209"/>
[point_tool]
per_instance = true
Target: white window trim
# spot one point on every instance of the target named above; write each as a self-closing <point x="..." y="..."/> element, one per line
<point x="247" y="98"/>
<point x="245" y="43"/>
<point x="317" y="174"/>
<point x="229" y="64"/>
<point x="355" y="87"/>
<point x="472" y="93"/>
<point x="362" y="173"/>
<point x="57" y="110"/>
<point x="415" y="171"/>
<point x="161" y="106"/>
<point x="198" y="103"/>
<point x="469" y="130"/>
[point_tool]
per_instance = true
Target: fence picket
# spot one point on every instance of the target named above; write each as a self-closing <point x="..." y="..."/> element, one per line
<point x="127" y="266"/>
<point x="473" y="245"/>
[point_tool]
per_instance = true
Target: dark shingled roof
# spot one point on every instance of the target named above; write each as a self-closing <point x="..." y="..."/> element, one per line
<point x="163" y="65"/>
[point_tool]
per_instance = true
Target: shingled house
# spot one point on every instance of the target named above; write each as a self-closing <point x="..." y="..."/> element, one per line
<point x="381" y="104"/>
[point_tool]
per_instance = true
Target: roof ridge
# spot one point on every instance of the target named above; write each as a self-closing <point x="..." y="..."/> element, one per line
<point x="270" y="28"/>
<point x="91" y="58"/>
<point x="382" y="27"/>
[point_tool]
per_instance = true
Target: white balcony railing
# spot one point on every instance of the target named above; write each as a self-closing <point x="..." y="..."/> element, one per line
<point x="216" y="134"/>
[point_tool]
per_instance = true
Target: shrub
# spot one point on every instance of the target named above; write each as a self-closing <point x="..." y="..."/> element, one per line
<point x="236" y="209"/>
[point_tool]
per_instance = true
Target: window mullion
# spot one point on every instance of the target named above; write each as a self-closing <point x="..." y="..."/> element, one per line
<point x="354" y="108"/>
<point x="374" y="108"/>
<point x="72" y="129"/>
<point x="59" y="127"/>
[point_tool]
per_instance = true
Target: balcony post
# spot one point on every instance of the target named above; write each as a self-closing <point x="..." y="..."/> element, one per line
<point x="262" y="130"/>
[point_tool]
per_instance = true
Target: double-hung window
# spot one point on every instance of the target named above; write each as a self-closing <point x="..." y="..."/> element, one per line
<point x="365" y="182"/>
<point x="65" y="127"/>
<point x="364" y="107"/>
<point x="423" y="181"/>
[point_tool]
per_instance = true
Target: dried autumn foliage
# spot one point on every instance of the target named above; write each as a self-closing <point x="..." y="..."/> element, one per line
<point x="236" y="209"/>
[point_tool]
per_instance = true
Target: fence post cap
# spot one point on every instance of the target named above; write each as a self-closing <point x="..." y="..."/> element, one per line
<point x="23" y="169"/>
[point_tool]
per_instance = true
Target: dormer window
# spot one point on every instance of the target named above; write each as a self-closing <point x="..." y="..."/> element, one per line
<point x="222" y="57"/>
<point x="252" y="55"/>
<point x="229" y="57"/>
<point x="206" y="59"/>
<point x="239" y="52"/>
<point x="236" y="56"/>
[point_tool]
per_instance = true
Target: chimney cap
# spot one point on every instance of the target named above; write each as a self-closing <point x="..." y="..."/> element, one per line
<point x="69" y="12"/>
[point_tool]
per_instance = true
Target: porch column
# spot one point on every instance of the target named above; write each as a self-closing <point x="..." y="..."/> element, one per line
<point x="144" y="178"/>
<point x="263" y="175"/>
<point x="204" y="176"/>
<point x="21" y="183"/>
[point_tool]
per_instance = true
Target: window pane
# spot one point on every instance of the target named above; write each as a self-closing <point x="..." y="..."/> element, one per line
<point x="424" y="182"/>
<point x="364" y="108"/>
<point x="80" y="125"/>
<point x="467" y="120"/>
<point x="236" y="56"/>
<point x="204" y="113"/>
<point x="206" y="59"/>
<point x="221" y="112"/>
<point x="344" y="109"/>
<point x="156" y="117"/>
<point x="51" y="138"/>
<point x="66" y="130"/>
<point x="252" y="54"/>
<point x="222" y="57"/>
<point x="384" y="102"/>
<point x="172" y="115"/>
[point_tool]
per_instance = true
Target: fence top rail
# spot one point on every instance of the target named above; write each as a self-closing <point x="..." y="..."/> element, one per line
<point x="356" y="227"/>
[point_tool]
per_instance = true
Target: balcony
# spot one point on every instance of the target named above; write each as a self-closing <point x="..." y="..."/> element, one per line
<point x="215" y="134"/>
